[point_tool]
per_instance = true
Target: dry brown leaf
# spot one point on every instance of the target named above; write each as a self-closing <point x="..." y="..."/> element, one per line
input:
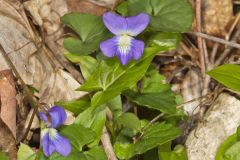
<point x="106" y="3"/>
<point x="85" y="7"/>
<point x="46" y="13"/>
<point x="8" y="100"/>
<point x="7" y="143"/>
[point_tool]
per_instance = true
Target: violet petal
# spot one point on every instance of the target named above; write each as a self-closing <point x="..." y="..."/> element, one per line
<point x="48" y="146"/>
<point x="115" y="23"/>
<point x="58" y="116"/>
<point x="137" y="48"/>
<point x="43" y="117"/>
<point x="136" y="24"/>
<point x="52" y="141"/>
<point x="62" y="145"/>
<point x="124" y="57"/>
<point x="109" y="47"/>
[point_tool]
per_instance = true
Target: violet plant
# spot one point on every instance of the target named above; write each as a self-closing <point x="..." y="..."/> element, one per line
<point x="115" y="52"/>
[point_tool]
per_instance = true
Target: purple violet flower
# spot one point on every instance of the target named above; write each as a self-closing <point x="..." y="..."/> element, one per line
<point x="123" y="44"/>
<point x="51" y="140"/>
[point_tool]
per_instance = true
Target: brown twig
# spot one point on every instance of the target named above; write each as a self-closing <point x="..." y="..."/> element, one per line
<point x="152" y="121"/>
<point x="186" y="49"/>
<point x="236" y="2"/>
<point x="216" y="39"/>
<point x="199" y="39"/>
<point x="214" y="52"/>
<point x="193" y="100"/>
<point x="233" y="26"/>
<point x="228" y="49"/>
<point x="107" y="145"/>
<point x="205" y="51"/>
<point x="148" y="125"/>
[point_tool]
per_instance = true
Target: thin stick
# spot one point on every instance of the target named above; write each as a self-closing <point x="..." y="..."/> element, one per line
<point x="193" y="100"/>
<point x="233" y="26"/>
<point x="214" y="52"/>
<point x="153" y="121"/>
<point x="148" y="125"/>
<point x="216" y="39"/>
<point x="186" y="49"/>
<point x="107" y="145"/>
<point x="236" y="2"/>
<point x="227" y="50"/>
<point x="199" y="39"/>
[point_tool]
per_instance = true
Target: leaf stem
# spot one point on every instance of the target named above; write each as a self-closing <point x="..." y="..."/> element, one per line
<point x="107" y="145"/>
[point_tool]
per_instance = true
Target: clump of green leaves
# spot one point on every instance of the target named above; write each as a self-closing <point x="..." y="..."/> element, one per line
<point x="109" y="84"/>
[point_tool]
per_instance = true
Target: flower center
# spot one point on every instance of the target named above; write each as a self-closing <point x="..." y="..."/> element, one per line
<point x="52" y="133"/>
<point x="44" y="132"/>
<point x="124" y="43"/>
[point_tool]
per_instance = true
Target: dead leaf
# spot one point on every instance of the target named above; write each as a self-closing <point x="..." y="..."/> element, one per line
<point x="85" y="7"/>
<point x="7" y="143"/>
<point x="8" y="100"/>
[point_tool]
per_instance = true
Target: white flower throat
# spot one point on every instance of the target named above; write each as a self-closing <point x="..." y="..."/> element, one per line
<point x="51" y="131"/>
<point x="124" y="43"/>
